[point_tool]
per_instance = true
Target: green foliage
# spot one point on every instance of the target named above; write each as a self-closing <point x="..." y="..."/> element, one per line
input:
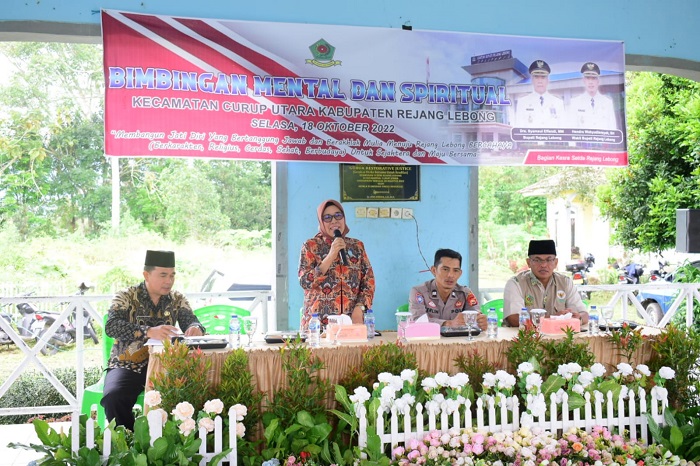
<point x="501" y="203"/>
<point x="680" y="434"/>
<point x="385" y="357"/>
<point x="687" y="273"/>
<point x="678" y="348"/>
<point x="524" y="347"/>
<point x="32" y="389"/>
<point x="303" y="433"/>
<point x="237" y="387"/>
<point x="304" y="389"/>
<point x="564" y="351"/>
<point x="627" y="340"/>
<point x="184" y="376"/>
<point x="663" y="175"/>
<point x="475" y="366"/>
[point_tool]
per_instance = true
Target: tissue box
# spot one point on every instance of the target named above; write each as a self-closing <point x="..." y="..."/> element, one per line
<point x="557" y="326"/>
<point x="422" y="331"/>
<point x="350" y="333"/>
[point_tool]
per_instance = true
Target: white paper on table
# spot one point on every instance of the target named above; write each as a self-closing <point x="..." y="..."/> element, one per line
<point x="423" y="318"/>
<point x="344" y="319"/>
<point x="565" y="316"/>
<point x="154" y="342"/>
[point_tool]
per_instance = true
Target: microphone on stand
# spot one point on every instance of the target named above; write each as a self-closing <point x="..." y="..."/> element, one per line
<point x="343" y="252"/>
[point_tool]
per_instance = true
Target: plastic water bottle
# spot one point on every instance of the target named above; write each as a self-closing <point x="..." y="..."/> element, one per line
<point x="369" y="322"/>
<point x="524" y="317"/>
<point x="492" y="323"/>
<point x="593" y="321"/>
<point x="234" y="331"/>
<point x="314" y="335"/>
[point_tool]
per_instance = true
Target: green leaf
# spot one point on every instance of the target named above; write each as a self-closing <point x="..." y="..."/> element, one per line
<point x="576" y="401"/>
<point x="305" y="419"/>
<point x="676" y="438"/>
<point x="159" y="448"/>
<point x="142" y="438"/>
<point x="553" y="383"/>
<point x="349" y="419"/>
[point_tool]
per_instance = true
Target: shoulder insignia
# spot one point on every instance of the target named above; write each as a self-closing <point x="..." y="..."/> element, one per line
<point x="419" y="298"/>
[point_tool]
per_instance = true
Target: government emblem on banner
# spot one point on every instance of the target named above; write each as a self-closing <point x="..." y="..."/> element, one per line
<point x="323" y="53"/>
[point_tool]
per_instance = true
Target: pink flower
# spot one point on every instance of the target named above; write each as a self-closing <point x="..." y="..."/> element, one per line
<point x="478" y="438"/>
<point x="478" y="448"/>
<point x="187" y="426"/>
<point x="413" y="455"/>
<point x="207" y="423"/>
<point x="398" y="451"/>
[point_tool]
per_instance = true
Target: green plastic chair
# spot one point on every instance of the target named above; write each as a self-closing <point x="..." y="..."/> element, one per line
<point x="496" y="304"/>
<point x="93" y="394"/>
<point x="215" y="317"/>
<point x="402" y="308"/>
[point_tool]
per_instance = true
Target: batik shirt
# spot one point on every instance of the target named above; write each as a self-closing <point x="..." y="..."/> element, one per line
<point x="342" y="286"/>
<point x="525" y="290"/>
<point x="132" y="313"/>
<point x="425" y="299"/>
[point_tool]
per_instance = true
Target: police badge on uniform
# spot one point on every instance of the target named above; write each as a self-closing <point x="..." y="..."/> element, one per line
<point x="419" y="298"/>
<point x="529" y="300"/>
<point x="471" y="300"/>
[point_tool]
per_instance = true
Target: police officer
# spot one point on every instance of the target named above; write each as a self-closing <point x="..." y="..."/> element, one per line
<point x="592" y="110"/>
<point x="441" y="298"/>
<point x="539" y="109"/>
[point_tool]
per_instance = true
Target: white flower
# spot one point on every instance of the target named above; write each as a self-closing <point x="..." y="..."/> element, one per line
<point x="459" y="380"/>
<point x="375" y="385"/>
<point x="559" y="395"/>
<point x="659" y="393"/>
<point x="563" y="370"/>
<point x="215" y="406"/>
<point x="598" y="370"/>
<point x="428" y="383"/>
<point x="533" y="380"/>
<point x="625" y="369"/>
<point x="183" y="411"/>
<point x="361" y="394"/>
<point x="585" y="378"/>
<point x="241" y="411"/>
<point x="409" y="375"/>
<point x="207" y="423"/>
<point x="489" y="380"/>
<point x="643" y="369"/>
<point x="240" y="430"/>
<point x="573" y="367"/>
<point x="396" y="382"/>
<point x="667" y="373"/>
<point x="387" y="396"/>
<point x="152" y="398"/>
<point x="578" y="388"/>
<point x="442" y="378"/>
<point x="451" y="406"/>
<point x="187" y="426"/>
<point x="525" y="368"/>
<point x="505" y="380"/>
<point x="384" y="377"/>
<point x="405" y="402"/>
<point x="624" y="392"/>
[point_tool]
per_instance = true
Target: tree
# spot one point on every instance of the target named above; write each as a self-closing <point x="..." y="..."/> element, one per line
<point x="499" y="200"/>
<point x="664" y="162"/>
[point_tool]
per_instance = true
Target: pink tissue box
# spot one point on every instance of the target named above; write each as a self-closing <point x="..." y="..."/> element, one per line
<point x="349" y="333"/>
<point x="422" y="331"/>
<point x="557" y="326"/>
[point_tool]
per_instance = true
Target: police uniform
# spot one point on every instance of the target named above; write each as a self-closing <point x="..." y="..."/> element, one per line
<point x="539" y="110"/>
<point x="425" y="299"/>
<point x="592" y="112"/>
<point x="525" y="290"/>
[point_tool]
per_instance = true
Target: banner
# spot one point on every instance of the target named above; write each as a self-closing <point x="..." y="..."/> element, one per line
<point x="189" y="87"/>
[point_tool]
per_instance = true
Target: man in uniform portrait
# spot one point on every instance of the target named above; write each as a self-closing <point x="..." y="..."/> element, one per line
<point x="539" y="109"/>
<point x="592" y="110"/>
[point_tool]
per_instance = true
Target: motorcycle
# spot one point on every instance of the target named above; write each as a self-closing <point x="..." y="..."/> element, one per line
<point x="579" y="270"/>
<point x="26" y="326"/>
<point x="631" y="274"/>
<point x="66" y="332"/>
<point x="661" y="273"/>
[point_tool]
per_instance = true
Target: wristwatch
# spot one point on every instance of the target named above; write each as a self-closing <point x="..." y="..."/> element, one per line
<point x="362" y="307"/>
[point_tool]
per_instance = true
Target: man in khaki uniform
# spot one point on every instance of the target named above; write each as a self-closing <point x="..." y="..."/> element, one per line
<point x="541" y="287"/>
<point x="441" y="298"/>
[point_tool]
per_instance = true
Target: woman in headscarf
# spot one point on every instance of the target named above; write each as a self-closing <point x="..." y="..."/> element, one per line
<point x="334" y="270"/>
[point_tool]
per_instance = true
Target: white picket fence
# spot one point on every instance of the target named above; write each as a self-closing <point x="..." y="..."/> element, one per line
<point x="155" y="429"/>
<point x="631" y="416"/>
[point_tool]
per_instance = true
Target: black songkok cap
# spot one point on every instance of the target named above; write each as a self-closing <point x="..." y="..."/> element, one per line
<point x="590" y="69"/>
<point x="539" y="68"/>
<point x="541" y="246"/>
<point x="160" y="259"/>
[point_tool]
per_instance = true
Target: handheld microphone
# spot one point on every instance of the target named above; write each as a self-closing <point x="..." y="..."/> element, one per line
<point x="343" y="252"/>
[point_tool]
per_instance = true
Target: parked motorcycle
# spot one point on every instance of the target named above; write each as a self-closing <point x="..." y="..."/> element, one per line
<point x="66" y="332"/>
<point x="26" y="325"/>
<point x="579" y="271"/>
<point x="661" y="273"/>
<point x="631" y="274"/>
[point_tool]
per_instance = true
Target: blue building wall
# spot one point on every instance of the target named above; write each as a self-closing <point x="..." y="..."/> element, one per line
<point x="657" y="36"/>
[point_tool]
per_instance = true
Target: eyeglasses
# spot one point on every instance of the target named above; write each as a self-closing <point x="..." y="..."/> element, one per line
<point x="328" y="217"/>
<point x="548" y="261"/>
